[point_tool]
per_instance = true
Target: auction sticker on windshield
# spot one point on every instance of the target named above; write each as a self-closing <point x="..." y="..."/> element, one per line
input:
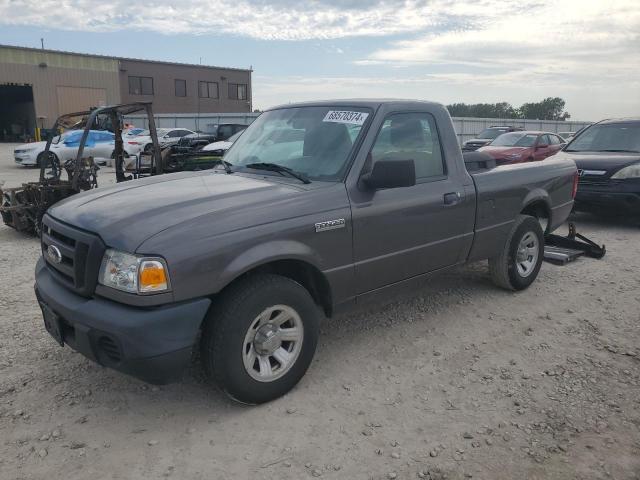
<point x="342" y="116"/>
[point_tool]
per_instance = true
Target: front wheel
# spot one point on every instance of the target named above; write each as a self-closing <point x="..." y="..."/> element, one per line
<point x="518" y="264"/>
<point x="260" y="337"/>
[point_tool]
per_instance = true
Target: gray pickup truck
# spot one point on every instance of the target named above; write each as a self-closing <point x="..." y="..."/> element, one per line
<point x="317" y="207"/>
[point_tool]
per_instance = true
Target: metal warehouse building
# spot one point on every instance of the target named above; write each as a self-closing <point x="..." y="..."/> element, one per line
<point x="36" y="86"/>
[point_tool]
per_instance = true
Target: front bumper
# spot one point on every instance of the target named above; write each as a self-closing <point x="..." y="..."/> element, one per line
<point x="24" y="160"/>
<point x="152" y="344"/>
<point x="622" y="196"/>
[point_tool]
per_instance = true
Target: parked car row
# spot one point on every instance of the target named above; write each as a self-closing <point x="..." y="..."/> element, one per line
<point x="523" y="146"/>
<point x="606" y="153"/>
<point x="101" y="143"/>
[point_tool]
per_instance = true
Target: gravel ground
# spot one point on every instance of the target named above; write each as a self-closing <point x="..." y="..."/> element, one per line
<point x="456" y="380"/>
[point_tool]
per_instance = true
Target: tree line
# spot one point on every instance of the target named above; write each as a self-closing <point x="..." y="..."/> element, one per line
<point x="551" y="108"/>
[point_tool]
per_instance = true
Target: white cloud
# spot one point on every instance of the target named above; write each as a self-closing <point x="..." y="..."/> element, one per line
<point x="532" y="42"/>
<point x="586" y="51"/>
<point x="271" y="20"/>
<point x="584" y="102"/>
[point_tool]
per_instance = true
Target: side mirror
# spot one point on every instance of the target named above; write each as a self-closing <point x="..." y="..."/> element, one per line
<point x="391" y="174"/>
<point x="541" y="145"/>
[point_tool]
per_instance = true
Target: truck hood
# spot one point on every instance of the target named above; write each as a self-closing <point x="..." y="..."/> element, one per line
<point x="127" y="214"/>
<point x="482" y="141"/>
<point x="222" y="145"/>
<point x="610" y="162"/>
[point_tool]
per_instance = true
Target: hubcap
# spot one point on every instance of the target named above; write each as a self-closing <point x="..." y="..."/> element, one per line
<point x="527" y="254"/>
<point x="272" y="343"/>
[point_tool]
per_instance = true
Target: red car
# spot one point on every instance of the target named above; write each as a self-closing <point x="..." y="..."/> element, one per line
<point x="527" y="146"/>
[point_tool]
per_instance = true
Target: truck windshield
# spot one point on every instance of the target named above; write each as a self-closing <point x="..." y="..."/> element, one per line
<point x="515" y="139"/>
<point x="314" y="141"/>
<point x="608" y="137"/>
<point x="491" y="133"/>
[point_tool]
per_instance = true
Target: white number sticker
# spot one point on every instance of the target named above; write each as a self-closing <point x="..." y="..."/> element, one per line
<point x="341" y="116"/>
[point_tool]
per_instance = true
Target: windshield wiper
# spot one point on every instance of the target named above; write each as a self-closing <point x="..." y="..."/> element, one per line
<point x="226" y="165"/>
<point x="274" y="167"/>
<point x="617" y="150"/>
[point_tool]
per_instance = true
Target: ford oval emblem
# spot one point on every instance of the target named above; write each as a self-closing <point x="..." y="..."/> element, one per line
<point x="54" y="254"/>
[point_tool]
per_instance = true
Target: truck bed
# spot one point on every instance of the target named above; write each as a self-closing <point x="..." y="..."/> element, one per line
<point x="501" y="193"/>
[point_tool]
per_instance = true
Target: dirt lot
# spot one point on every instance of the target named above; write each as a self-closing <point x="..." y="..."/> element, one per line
<point x="457" y="380"/>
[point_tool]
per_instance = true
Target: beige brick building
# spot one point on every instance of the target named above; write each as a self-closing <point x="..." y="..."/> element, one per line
<point x="36" y="86"/>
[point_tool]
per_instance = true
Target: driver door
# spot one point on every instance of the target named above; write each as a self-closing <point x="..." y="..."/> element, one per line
<point x="404" y="232"/>
<point x="104" y="145"/>
<point x="542" y="148"/>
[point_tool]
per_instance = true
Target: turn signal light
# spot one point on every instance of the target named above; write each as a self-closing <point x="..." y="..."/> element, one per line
<point x="152" y="277"/>
<point x="575" y="185"/>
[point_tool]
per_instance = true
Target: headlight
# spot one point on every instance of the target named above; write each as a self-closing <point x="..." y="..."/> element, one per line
<point x="133" y="273"/>
<point x="632" y="171"/>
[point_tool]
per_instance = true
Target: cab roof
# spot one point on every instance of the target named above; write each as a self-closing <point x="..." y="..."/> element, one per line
<point x="358" y="102"/>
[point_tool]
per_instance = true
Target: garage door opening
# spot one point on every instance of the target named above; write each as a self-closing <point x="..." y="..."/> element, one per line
<point x="17" y="113"/>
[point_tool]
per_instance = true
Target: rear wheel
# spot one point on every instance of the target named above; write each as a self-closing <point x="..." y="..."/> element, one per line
<point x="260" y="337"/>
<point x="47" y="158"/>
<point x="517" y="266"/>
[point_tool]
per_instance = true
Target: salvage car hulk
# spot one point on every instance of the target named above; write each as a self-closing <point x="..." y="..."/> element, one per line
<point x="317" y="207"/>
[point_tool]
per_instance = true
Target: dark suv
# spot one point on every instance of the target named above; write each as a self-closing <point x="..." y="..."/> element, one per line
<point x="487" y="136"/>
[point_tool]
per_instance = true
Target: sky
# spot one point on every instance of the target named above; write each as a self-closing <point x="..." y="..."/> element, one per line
<point x="584" y="51"/>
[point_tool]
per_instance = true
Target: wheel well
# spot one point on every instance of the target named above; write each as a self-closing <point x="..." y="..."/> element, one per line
<point x="305" y="274"/>
<point x="538" y="209"/>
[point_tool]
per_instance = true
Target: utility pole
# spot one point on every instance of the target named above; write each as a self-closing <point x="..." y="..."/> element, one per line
<point x="42" y="43"/>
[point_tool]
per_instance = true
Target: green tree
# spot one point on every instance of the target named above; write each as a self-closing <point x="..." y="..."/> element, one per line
<point x="551" y="108"/>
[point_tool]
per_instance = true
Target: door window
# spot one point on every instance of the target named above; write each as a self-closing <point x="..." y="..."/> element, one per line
<point x="410" y="136"/>
<point x="105" y="137"/>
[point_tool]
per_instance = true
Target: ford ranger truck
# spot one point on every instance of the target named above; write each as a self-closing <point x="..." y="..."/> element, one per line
<point x="317" y="208"/>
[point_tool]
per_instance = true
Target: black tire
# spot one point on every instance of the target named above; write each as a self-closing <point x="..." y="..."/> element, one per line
<point x="40" y="157"/>
<point x="147" y="148"/>
<point x="504" y="268"/>
<point x="124" y="154"/>
<point x="228" y="323"/>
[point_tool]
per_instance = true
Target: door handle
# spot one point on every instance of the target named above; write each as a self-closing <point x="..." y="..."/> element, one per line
<point x="452" y="198"/>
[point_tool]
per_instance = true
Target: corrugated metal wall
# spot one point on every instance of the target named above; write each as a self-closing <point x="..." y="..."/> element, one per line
<point x="466" y="128"/>
<point x="204" y="123"/>
<point x="76" y="99"/>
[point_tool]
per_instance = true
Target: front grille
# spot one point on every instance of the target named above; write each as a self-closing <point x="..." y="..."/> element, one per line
<point x="110" y="349"/>
<point x="473" y="146"/>
<point x="72" y="255"/>
<point x="597" y="181"/>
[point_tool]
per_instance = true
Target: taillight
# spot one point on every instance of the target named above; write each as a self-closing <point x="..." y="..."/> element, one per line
<point x="133" y="143"/>
<point x="575" y="185"/>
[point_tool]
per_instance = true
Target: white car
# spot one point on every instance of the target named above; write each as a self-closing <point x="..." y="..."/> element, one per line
<point x="166" y="136"/>
<point x="129" y="133"/>
<point x="100" y="144"/>
<point x="221" y="147"/>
